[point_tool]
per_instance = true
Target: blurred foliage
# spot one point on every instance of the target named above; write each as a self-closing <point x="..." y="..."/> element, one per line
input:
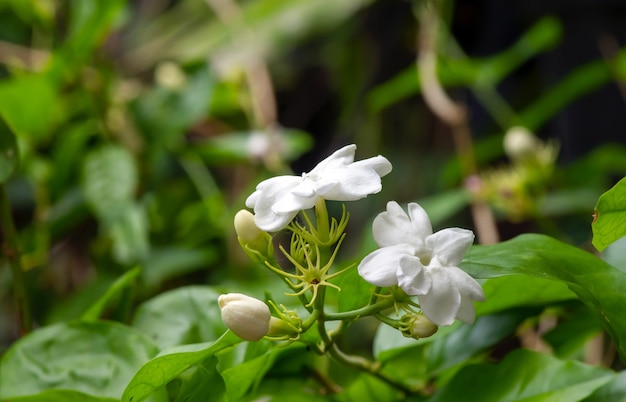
<point x="130" y="135"/>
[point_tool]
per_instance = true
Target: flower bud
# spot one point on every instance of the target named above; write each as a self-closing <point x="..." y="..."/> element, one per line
<point x="418" y="326"/>
<point x="519" y="143"/>
<point x="245" y="227"/>
<point x="255" y="242"/>
<point x="247" y="317"/>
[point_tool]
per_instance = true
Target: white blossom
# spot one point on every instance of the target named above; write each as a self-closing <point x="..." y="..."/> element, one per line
<point x="247" y="317"/>
<point x="278" y="200"/>
<point x="423" y="263"/>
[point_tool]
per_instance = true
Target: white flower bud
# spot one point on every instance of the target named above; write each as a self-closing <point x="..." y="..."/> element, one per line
<point x="245" y="227"/>
<point x="247" y="317"/>
<point x="422" y="327"/>
<point x="519" y="143"/>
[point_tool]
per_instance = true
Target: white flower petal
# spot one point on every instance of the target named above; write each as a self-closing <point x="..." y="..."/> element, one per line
<point x="467" y="286"/>
<point x="380" y="267"/>
<point x="441" y="304"/>
<point x="268" y="193"/>
<point x="413" y="277"/>
<point x="450" y="245"/>
<point x="343" y="156"/>
<point x="420" y="220"/>
<point x="466" y="312"/>
<point x="348" y="184"/>
<point x="394" y="227"/>
<point x="379" y="164"/>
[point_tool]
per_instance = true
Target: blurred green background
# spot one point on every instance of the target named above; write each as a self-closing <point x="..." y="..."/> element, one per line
<point x="142" y="126"/>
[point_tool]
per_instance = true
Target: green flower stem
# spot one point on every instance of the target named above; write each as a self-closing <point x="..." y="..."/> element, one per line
<point x="323" y="226"/>
<point x="370" y="309"/>
<point x="10" y="249"/>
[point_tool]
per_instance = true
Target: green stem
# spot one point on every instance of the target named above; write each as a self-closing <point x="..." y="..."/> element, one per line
<point x="323" y="227"/>
<point x="361" y="312"/>
<point x="10" y="249"/>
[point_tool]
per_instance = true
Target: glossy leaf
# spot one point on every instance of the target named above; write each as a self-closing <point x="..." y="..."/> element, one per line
<point x="609" y="222"/>
<point x="528" y="376"/>
<point x="514" y="291"/>
<point x="9" y="155"/>
<point x="185" y="315"/>
<point x="162" y="369"/>
<point x="95" y="358"/>
<point x="597" y="284"/>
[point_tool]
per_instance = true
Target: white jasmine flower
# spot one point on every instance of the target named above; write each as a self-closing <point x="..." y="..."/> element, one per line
<point x="423" y="264"/>
<point x="278" y="200"/>
<point x="247" y="317"/>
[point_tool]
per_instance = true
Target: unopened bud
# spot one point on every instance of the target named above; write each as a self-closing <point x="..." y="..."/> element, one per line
<point x="419" y="327"/>
<point x="245" y="227"/>
<point x="520" y="143"/>
<point x="247" y="317"/>
<point x="255" y="242"/>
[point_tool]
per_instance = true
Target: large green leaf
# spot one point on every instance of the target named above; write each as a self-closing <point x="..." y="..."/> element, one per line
<point x="525" y="376"/>
<point x="95" y="358"/>
<point x="599" y="285"/>
<point x="609" y="224"/>
<point x="184" y="315"/>
<point x="8" y="152"/>
<point x="156" y="373"/>
<point x="61" y="395"/>
<point x="514" y="291"/>
<point x="613" y="391"/>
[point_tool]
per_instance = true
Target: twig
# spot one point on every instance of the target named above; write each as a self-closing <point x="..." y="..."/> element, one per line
<point x="452" y="114"/>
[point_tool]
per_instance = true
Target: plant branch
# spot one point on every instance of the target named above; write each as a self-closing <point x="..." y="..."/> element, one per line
<point x="450" y="113"/>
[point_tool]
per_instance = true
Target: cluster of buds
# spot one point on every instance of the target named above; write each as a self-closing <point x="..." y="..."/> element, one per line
<point x="514" y="190"/>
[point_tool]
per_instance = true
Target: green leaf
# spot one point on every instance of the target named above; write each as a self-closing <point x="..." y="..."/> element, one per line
<point x="418" y="361"/>
<point x="185" y="315"/>
<point x="128" y="229"/>
<point x="613" y="391"/>
<point x="599" y="285"/>
<point x="525" y="375"/>
<point x="244" y="367"/>
<point x="168" y="365"/>
<point x="241" y="146"/>
<point x="355" y="291"/>
<point x="609" y="222"/>
<point x="109" y="180"/>
<point x="95" y="311"/>
<point x="513" y="291"/>
<point x="29" y="105"/>
<point x="95" y="358"/>
<point x="62" y="395"/>
<point x="9" y="156"/>
<point x="199" y="382"/>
